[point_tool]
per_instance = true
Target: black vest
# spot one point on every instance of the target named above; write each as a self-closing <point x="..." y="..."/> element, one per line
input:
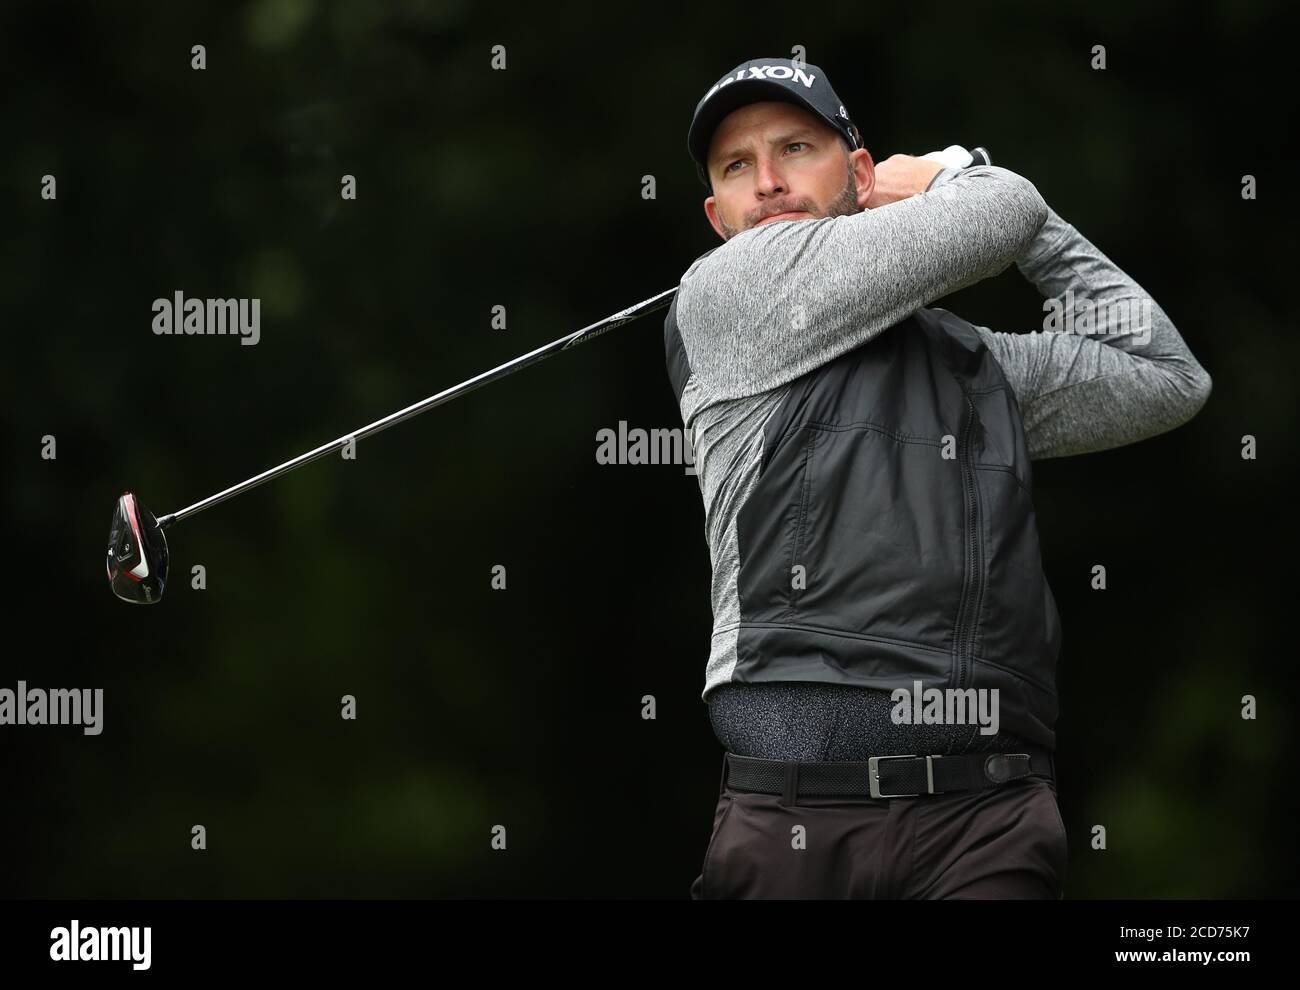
<point x="897" y="478"/>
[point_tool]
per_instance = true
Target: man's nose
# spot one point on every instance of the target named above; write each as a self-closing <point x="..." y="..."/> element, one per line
<point x="769" y="179"/>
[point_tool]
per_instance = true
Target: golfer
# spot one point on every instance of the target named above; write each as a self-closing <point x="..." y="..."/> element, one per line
<point x="882" y="673"/>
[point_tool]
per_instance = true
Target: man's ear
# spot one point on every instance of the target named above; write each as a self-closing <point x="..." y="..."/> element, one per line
<point x="864" y="171"/>
<point x="711" y="211"/>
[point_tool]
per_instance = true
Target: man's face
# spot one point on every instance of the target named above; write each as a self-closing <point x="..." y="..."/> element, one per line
<point x="775" y="161"/>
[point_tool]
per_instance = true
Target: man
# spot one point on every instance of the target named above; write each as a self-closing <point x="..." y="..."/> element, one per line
<point x="865" y="468"/>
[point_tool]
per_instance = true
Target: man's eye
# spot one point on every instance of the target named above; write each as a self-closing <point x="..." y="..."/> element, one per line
<point x="793" y="144"/>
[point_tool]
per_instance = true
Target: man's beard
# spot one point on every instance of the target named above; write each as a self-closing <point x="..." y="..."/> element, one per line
<point x="845" y="204"/>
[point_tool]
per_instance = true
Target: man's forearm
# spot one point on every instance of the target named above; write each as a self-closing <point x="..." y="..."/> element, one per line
<point x="1106" y="366"/>
<point x="780" y="300"/>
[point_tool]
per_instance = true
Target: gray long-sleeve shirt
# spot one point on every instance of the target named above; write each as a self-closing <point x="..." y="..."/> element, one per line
<point x="777" y="301"/>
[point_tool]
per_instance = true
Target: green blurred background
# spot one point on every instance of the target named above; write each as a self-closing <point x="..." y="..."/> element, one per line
<point x="522" y="188"/>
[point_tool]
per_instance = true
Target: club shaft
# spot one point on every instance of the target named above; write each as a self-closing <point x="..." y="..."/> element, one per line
<point x="532" y="357"/>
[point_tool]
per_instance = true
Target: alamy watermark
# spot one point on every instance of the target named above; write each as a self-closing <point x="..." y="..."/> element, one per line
<point x="181" y="316"/>
<point x="77" y="944"/>
<point x="638" y="446"/>
<point x="1088" y="317"/>
<point x="59" y="706"/>
<point x="946" y="706"/>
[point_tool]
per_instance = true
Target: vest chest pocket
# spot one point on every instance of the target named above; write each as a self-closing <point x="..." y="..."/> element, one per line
<point x="1019" y="627"/>
<point x="771" y="531"/>
<point x="1000" y="439"/>
<point x="798" y="568"/>
<point x="857" y="529"/>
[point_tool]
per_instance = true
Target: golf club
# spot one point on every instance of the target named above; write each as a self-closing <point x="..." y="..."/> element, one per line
<point x="137" y="548"/>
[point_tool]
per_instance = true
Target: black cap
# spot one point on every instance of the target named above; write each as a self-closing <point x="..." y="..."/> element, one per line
<point x="766" y="79"/>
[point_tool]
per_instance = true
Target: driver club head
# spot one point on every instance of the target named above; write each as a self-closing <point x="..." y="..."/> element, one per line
<point x="137" y="553"/>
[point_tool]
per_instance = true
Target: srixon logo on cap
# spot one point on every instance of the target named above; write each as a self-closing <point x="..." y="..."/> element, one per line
<point x="766" y="72"/>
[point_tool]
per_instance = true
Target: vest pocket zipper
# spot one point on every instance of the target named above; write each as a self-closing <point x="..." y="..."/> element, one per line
<point x="964" y="635"/>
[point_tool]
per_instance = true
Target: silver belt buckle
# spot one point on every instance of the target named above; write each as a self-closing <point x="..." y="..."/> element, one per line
<point x="873" y="775"/>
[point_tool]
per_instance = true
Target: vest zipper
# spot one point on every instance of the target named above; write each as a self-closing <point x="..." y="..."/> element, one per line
<point x="965" y="633"/>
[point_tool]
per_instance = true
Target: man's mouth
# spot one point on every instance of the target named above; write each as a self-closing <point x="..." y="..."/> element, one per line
<point x="790" y="215"/>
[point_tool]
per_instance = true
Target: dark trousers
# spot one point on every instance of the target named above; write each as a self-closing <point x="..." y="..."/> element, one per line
<point x="1006" y="842"/>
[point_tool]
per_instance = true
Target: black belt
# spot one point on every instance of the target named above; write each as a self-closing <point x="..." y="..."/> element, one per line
<point x="884" y="777"/>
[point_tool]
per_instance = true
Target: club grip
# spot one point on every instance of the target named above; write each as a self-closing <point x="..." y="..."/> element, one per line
<point x="955" y="156"/>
